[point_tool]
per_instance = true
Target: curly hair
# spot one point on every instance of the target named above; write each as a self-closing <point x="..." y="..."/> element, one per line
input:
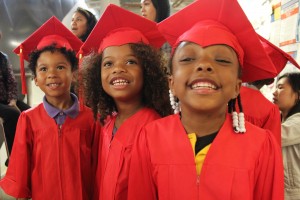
<point x="154" y="91"/>
<point x="91" y="21"/>
<point x="69" y="54"/>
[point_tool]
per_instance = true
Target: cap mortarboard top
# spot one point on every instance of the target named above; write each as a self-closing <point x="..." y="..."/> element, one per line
<point x="211" y="22"/>
<point x="118" y="26"/>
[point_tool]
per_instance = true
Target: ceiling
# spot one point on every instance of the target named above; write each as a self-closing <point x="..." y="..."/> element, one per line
<point x="21" y="18"/>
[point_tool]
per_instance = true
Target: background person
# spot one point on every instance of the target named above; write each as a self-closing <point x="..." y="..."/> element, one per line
<point x="10" y="106"/>
<point x="83" y="22"/>
<point x="287" y="98"/>
<point x="157" y="11"/>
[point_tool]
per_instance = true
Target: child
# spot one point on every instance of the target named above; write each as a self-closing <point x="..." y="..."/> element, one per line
<point x="126" y="85"/>
<point x="202" y="153"/>
<point x="52" y="152"/>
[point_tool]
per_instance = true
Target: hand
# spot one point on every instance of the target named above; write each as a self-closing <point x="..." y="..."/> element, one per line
<point x="13" y="103"/>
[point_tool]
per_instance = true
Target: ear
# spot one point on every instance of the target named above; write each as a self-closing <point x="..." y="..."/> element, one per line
<point x="35" y="81"/>
<point x="74" y="76"/>
<point x="237" y="88"/>
<point x="171" y="84"/>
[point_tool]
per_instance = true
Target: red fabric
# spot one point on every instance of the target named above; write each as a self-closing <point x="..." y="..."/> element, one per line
<point x="51" y="31"/>
<point x="122" y="36"/>
<point x="60" y="42"/>
<point x="113" y="168"/>
<point x="50" y="164"/>
<point x="261" y="112"/>
<point x="209" y="32"/>
<point x="228" y="13"/>
<point x="237" y="167"/>
<point x="121" y="23"/>
<point x="22" y="70"/>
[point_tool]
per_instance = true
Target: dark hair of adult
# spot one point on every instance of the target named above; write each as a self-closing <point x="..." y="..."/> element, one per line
<point x="69" y="54"/>
<point x="293" y="79"/>
<point x="162" y="9"/>
<point x="91" y="21"/>
<point x="154" y="92"/>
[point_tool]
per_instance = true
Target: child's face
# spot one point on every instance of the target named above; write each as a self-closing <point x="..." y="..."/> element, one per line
<point x="121" y="74"/>
<point x="53" y="75"/>
<point x="204" y="79"/>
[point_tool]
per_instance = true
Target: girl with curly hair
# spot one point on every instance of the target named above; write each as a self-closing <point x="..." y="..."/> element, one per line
<point x="126" y="85"/>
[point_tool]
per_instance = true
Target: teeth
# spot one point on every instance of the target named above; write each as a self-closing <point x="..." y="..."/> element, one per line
<point x="53" y="84"/>
<point x="204" y="85"/>
<point x="120" y="82"/>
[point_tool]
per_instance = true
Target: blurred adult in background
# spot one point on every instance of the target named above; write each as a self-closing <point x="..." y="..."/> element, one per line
<point x="83" y="22"/>
<point x="157" y="11"/>
<point x="287" y="97"/>
<point x="10" y="106"/>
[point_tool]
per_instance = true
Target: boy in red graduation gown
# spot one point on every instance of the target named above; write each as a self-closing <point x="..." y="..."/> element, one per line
<point x="52" y="156"/>
<point x="126" y="85"/>
<point x="203" y="152"/>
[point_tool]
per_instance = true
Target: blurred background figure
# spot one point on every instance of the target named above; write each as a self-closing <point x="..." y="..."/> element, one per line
<point x="287" y="97"/>
<point x="10" y="106"/>
<point x="157" y="11"/>
<point x="83" y="22"/>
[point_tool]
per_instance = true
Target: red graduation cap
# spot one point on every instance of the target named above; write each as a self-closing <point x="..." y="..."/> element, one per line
<point x="117" y="27"/>
<point x="209" y="22"/>
<point x="277" y="55"/>
<point x="52" y="31"/>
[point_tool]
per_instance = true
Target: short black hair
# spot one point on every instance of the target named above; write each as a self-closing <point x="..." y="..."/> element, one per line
<point x="69" y="54"/>
<point x="162" y="9"/>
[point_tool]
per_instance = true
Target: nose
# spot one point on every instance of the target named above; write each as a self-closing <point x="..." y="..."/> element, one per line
<point x="142" y="9"/>
<point x="274" y="93"/>
<point x="73" y="22"/>
<point x="204" y="67"/>
<point x="119" y="68"/>
<point x="51" y="73"/>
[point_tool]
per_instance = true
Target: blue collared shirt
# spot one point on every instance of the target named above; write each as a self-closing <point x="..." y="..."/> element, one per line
<point x="60" y="115"/>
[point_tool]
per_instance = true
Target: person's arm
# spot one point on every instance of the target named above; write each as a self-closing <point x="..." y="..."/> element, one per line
<point x="11" y="84"/>
<point x="269" y="171"/>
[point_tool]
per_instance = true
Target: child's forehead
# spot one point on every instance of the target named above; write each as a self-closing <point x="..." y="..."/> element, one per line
<point x="191" y="46"/>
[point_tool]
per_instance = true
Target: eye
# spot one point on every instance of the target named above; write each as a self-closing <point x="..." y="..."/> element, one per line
<point x="60" y="67"/>
<point x="186" y="59"/>
<point x="107" y="64"/>
<point x="223" y="61"/>
<point x="42" y="69"/>
<point x="131" y="62"/>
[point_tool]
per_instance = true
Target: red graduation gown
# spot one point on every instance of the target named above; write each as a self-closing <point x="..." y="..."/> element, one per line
<point x="48" y="163"/>
<point x="113" y="167"/>
<point x="261" y="112"/>
<point x="237" y="167"/>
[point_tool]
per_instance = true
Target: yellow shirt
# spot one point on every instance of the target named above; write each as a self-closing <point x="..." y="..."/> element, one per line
<point x="199" y="158"/>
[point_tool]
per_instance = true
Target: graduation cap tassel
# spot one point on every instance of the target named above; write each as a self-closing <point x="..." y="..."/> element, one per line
<point x="80" y="89"/>
<point x="22" y="68"/>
